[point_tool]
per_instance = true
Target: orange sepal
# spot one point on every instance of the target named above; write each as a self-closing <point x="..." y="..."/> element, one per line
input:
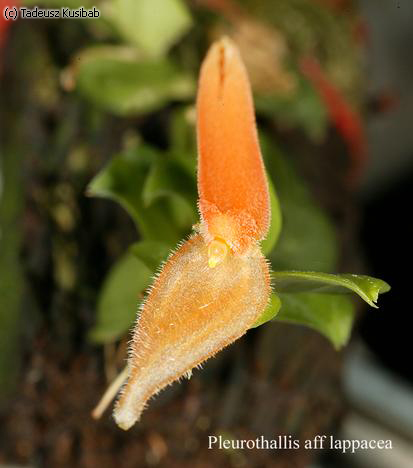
<point x="232" y="185"/>
<point x="191" y="312"/>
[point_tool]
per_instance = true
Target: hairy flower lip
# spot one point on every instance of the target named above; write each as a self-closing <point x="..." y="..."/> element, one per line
<point x="189" y="317"/>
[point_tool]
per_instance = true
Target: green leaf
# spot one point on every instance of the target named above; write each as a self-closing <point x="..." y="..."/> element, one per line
<point x="182" y="137"/>
<point x="332" y="315"/>
<point x="324" y="309"/>
<point x="270" y="312"/>
<point x="274" y="232"/>
<point x="307" y="240"/>
<point x="183" y="214"/>
<point x="169" y="179"/>
<point x="151" y="253"/>
<point x="119" y="298"/>
<point x="366" y="287"/>
<point x="122" y="180"/>
<point x="119" y="80"/>
<point x="153" y="25"/>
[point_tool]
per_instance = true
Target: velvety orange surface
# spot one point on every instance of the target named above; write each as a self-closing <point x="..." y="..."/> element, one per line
<point x="231" y="176"/>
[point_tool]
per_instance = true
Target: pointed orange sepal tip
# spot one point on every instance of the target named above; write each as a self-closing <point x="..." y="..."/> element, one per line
<point x="233" y="191"/>
<point x="191" y="313"/>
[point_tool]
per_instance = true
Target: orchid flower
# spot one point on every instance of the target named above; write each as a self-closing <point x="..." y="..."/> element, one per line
<point x="216" y="285"/>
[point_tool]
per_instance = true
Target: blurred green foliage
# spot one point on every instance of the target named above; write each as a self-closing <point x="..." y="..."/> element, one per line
<point x="313" y="247"/>
<point x="121" y="81"/>
<point x="132" y="178"/>
<point x="119" y="297"/>
<point x="302" y="109"/>
<point x="11" y="280"/>
<point x="152" y="25"/>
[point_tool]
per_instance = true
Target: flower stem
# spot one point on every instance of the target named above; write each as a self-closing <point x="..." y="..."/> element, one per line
<point x="110" y="393"/>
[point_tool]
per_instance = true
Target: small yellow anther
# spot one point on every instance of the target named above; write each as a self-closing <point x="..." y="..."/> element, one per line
<point x="217" y="251"/>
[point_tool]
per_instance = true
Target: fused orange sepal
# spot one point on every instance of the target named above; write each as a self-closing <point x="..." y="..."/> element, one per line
<point x="192" y="312"/>
<point x="232" y="185"/>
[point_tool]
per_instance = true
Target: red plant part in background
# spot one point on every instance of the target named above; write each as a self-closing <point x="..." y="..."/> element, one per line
<point x="4" y="23"/>
<point x="346" y="120"/>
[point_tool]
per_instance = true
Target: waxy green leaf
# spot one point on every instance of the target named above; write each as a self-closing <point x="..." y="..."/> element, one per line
<point x="366" y="287"/>
<point x="332" y="315"/>
<point x="324" y="309"/>
<point x="123" y="180"/>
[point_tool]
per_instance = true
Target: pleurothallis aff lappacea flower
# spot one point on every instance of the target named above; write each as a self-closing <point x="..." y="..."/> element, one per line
<point x="216" y="284"/>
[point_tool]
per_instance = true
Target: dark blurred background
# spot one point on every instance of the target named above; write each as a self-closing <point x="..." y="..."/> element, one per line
<point x="84" y="104"/>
